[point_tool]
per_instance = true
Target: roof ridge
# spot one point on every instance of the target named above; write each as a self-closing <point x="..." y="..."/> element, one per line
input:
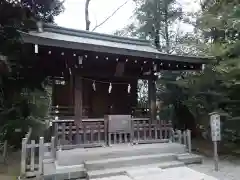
<point x="95" y="35"/>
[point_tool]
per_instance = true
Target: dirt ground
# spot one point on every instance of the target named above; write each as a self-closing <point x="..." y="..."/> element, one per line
<point x="11" y="169"/>
<point x="205" y="148"/>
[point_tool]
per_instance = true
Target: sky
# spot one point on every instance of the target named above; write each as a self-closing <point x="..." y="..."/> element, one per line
<point x="74" y="17"/>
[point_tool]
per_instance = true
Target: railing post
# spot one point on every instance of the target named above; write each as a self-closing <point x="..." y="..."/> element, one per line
<point x="132" y="132"/>
<point x="156" y="130"/>
<point x="23" y="156"/>
<point x="4" y="151"/>
<point x="56" y="132"/>
<point x="165" y="129"/>
<point x="179" y="132"/>
<point x="78" y="130"/>
<point x="109" y="139"/>
<point x="115" y="138"/>
<point x="138" y="130"/>
<point x="106" y="139"/>
<point x="189" y="141"/>
<point x="144" y="130"/>
<point x="172" y="133"/>
<point x="63" y="140"/>
<point x="53" y="148"/>
<point x="41" y="154"/>
<point x="99" y="132"/>
<point x="150" y="129"/>
<point x="32" y="157"/>
<point x="185" y="138"/>
<point x="160" y="126"/>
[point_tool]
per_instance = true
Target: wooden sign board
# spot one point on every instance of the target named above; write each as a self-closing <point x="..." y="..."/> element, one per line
<point x="119" y="123"/>
<point x="215" y="127"/>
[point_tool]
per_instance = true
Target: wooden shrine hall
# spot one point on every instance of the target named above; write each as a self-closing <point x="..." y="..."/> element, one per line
<point x="95" y="74"/>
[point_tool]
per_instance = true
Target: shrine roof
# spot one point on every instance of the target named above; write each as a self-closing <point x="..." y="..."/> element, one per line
<point x="56" y="36"/>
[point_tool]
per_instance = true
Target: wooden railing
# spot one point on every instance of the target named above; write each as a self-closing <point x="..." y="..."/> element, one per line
<point x="183" y="137"/>
<point x="94" y="132"/>
<point x="62" y="111"/>
<point x="68" y="111"/>
<point x="90" y="131"/>
<point x="141" y="112"/>
<point x="32" y="155"/>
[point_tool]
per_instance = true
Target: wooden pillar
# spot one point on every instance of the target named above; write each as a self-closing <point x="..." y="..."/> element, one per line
<point x="78" y="99"/>
<point x="152" y="99"/>
<point x="53" y="93"/>
<point x="71" y="94"/>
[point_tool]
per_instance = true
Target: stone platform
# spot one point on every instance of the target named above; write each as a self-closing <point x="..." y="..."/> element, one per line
<point x="92" y="163"/>
<point x="178" y="173"/>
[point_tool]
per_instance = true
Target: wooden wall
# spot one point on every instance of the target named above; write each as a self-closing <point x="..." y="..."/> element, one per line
<point x="98" y="103"/>
<point x="62" y="94"/>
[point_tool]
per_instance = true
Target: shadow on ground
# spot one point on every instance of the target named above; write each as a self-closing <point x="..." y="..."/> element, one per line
<point x="11" y="169"/>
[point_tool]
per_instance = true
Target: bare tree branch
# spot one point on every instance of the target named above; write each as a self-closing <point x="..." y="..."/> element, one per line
<point x="110" y="16"/>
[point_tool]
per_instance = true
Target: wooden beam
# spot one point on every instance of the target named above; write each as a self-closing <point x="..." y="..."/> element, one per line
<point x="71" y="89"/>
<point x="78" y="99"/>
<point x="152" y="99"/>
<point x="124" y="77"/>
<point x="120" y="69"/>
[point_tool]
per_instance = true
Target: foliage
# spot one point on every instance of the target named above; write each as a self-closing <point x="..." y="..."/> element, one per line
<point x="160" y="21"/>
<point x="216" y="33"/>
<point x="218" y="86"/>
<point x="20" y="78"/>
<point x="221" y="29"/>
<point x="142" y="91"/>
<point x="155" y="20"/>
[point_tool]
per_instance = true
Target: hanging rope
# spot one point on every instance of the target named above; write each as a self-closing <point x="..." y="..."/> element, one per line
<point x="104" y="82"/>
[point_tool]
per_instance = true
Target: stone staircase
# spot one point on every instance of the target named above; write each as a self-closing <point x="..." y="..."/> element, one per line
<point x="95" y="163"/>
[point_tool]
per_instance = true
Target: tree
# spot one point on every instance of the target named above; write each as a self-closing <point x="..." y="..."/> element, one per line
<point x="159" y="21"/>
<point x="155" y="20"/>
<point x="17" y="86"/>
<point x="44" y="10"/>
<point x="220" y="25"/>
<point x="217" y="86"/>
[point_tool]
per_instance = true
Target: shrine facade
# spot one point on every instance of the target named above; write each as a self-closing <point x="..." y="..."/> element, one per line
<point x="96" y="75"/>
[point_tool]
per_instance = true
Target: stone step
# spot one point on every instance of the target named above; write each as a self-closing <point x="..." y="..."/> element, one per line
<point x="78" y="156"/>
<point x="121" y="171"/>
<point x="129" y="161"/>
<point x="52" y="171"/>
<point x="188" y="158"/>
<point x="120" y="177"/>
<point x="143" y="171"/>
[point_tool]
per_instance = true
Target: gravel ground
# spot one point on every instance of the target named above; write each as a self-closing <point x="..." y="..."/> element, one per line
<point x="229" y="168"/>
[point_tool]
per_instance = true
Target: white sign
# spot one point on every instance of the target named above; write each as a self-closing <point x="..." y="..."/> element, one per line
<point x="215" y="127"/>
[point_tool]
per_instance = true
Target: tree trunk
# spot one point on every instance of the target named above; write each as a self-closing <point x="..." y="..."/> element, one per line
<point x="87" y="15"/>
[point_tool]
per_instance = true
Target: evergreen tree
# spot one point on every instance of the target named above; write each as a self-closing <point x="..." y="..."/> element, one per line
<point x="19" y="75"/>
<point x="217" y="87"/>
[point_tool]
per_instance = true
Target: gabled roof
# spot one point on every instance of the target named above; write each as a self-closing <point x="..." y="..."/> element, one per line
<point x="90" y="41"/>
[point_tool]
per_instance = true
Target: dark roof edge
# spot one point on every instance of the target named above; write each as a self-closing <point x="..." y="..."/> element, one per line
<point x="33" y="39"/>
<point x="95" y="35"/>
<point x="201" y="58"/>
<point x="100" y="36"/>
